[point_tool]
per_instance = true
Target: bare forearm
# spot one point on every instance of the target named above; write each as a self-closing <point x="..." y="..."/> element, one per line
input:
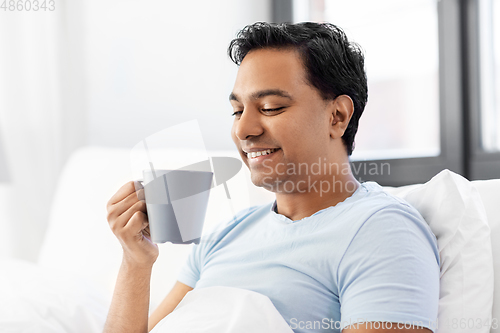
<point x="130" y="305"/>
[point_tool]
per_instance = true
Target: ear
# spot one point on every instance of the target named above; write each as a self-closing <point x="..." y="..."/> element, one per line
<point x="342" y="109"/>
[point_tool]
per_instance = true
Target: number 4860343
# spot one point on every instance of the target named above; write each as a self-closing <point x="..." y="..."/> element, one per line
<point x="28" y="5"/>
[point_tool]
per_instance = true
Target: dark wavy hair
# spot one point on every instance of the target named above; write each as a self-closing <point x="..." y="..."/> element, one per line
<point x="334" y="65"/>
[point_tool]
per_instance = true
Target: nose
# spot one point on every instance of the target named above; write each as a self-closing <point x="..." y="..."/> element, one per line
<point x="248" y="125"/>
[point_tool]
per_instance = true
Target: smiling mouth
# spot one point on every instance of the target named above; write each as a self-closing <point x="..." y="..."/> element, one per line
<point x="256" y="154"/>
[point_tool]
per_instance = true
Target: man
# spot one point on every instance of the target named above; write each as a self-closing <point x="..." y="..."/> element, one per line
<point x="346" y="252"/>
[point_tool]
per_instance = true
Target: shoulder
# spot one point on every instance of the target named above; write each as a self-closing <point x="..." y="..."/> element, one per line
<point x="372" y="203"/>
<point x="379" y="205"/>
<point x="392" y="223"/>
<point x="379" y="198"/>
<point x="390" y="210"/>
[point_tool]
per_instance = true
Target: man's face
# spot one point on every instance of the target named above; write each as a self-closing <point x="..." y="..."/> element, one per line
<point x="277" y="109"/>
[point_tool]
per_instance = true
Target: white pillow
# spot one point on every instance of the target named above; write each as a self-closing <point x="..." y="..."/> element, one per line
<point x="33" y="299"/>
<point x="489" y="190"/>
<point x="223" y="310"/>
<point x="452" y="207"/>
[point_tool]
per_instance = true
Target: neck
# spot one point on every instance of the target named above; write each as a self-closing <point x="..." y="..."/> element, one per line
<point x="315" y="197"/>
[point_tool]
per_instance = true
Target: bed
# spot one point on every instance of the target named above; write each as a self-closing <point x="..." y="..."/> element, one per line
<point x="69" y="289"/>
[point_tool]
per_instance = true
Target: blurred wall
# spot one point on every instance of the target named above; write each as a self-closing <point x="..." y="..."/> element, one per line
<point x="154" y="64"/>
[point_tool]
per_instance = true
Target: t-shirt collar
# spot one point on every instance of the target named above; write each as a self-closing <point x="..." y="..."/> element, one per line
<point x="274" y="206"/>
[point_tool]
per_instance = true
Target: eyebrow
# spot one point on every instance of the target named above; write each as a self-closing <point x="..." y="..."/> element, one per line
<point x="263" y="93"/>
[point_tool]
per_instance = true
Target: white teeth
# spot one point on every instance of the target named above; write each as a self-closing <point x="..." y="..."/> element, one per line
<point x="260" y="153"/>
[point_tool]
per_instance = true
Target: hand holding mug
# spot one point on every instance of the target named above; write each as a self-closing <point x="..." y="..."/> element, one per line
<point x="128" y="220"/>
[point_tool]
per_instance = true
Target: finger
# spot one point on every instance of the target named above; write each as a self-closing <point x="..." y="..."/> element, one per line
<point x="135" y="224"/>
<point x="121" y="207"/>
<point x="124" y="218"/>
<point x="124" y="191"/>
<point x="116" y="210"/>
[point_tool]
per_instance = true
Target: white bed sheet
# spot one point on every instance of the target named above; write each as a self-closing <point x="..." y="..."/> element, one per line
<point x="223" y="310"/>
<point x="38" y="300"/>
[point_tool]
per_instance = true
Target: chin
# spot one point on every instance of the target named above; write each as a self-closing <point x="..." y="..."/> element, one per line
<point x="256" y="179"/>
<point x="266" y="182"/>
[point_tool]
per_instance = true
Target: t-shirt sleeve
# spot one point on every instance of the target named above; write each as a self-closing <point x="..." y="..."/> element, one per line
<point x="390" y="271"/>
<point x="191" y="270"/>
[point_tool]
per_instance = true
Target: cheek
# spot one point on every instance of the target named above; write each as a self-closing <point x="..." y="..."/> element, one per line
<point x="310" y="138"/>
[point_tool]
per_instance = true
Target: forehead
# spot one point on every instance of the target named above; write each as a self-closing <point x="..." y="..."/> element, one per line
<point x="270" y="69"/>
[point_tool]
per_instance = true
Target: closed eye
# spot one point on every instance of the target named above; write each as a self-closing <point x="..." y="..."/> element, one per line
<point x="273" y="110"/>
<point x="238" y="113"/>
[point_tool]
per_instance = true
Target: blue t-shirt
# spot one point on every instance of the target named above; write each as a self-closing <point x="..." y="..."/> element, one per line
<point x="371" y="257"/>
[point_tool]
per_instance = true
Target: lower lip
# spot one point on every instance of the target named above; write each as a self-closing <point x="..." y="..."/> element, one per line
<point x="261" y="158"/>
